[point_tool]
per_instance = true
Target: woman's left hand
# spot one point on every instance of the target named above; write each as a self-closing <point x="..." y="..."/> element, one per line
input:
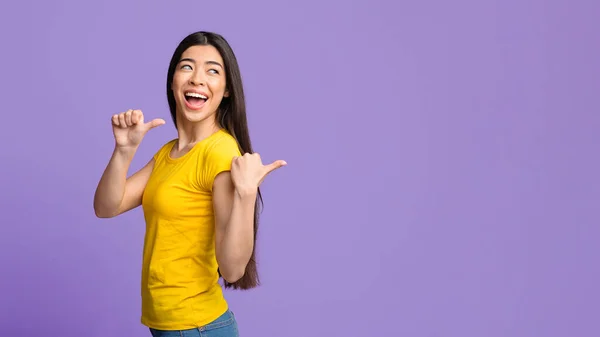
<point x="248" y="172"/>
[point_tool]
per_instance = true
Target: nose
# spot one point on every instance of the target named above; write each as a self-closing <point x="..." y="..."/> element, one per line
<point x="197" y="79"/>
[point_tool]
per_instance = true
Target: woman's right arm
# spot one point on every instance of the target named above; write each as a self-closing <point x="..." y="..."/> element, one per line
<point x="116" y="193"/>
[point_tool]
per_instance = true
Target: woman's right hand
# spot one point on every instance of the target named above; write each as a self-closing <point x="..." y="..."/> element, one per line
<point x="129" y="128"/>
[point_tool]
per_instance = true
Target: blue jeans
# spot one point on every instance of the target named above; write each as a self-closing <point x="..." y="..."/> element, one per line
<point x="224" y="326"/>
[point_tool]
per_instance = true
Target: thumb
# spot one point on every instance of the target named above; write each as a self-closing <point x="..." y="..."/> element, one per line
<point x="274" y="165"/>
<point x="155" y="122"/>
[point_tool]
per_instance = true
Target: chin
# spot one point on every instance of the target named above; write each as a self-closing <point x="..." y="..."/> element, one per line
<point x="195" y="116"/>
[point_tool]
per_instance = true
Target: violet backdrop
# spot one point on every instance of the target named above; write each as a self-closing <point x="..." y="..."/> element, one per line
<point x="442" y="176"/>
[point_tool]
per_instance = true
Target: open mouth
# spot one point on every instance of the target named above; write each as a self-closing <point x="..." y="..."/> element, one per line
<point x="195" y="100"/>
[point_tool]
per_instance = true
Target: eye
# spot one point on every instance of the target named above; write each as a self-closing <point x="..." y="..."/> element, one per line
<point x="188" y="67"/>
<point x="215" y="71"/>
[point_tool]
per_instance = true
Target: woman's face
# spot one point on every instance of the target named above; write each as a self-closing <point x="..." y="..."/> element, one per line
<point x="199" y="83"/>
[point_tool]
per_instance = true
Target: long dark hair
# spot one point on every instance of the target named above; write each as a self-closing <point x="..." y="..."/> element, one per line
<point x="231" y="116"/>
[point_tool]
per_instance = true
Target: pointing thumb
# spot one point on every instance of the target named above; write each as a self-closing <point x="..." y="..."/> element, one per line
<point x="155" y="122"/>
<point x="275" y="165"/>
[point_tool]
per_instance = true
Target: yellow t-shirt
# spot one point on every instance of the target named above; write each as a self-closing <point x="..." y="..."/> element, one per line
<point x="180" y="288"/>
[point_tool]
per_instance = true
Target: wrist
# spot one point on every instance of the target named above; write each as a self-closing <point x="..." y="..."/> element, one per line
<point x="125" y="151"/>
<point x="246" y="192"/>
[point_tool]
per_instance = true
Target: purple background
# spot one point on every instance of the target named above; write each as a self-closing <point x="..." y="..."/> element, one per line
<point x="442" y="176"/>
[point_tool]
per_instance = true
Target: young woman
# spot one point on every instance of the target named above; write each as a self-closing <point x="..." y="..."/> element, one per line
<point x="199" y="193"/>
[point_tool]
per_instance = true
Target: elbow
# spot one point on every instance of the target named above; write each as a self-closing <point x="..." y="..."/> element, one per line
<point x="233" y="278"/>
<point x="232" y="275"/>
<point x="232" y="265"/>
<point x="102" y="213"/>
<point x="105" y="209"/>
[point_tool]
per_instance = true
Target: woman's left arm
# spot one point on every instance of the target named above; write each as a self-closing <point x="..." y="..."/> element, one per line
<point x="234" y="198"/>
<point x="234" y="227"/>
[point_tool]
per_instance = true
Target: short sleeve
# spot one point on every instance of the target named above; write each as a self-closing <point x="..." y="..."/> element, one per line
<point x="217" y="159"/>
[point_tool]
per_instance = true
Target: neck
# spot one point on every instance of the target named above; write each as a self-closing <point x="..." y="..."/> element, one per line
<point x="190" y="133"/>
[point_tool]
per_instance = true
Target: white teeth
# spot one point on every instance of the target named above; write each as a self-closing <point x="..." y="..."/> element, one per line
<point x="193" y="94"/>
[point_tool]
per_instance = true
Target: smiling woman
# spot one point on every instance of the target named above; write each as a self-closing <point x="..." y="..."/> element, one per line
<point x="199" y="64"/>
<point x="199" y="194"/>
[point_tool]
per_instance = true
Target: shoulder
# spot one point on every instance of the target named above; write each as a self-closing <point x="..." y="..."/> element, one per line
<point x="217" y="156"/>
<point x="222" y="144"/>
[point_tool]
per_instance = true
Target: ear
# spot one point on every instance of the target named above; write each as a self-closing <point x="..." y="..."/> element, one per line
<point x="226" y="94"/>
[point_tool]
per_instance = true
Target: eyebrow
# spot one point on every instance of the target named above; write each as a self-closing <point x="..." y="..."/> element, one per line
<point x="207" y="62"/>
